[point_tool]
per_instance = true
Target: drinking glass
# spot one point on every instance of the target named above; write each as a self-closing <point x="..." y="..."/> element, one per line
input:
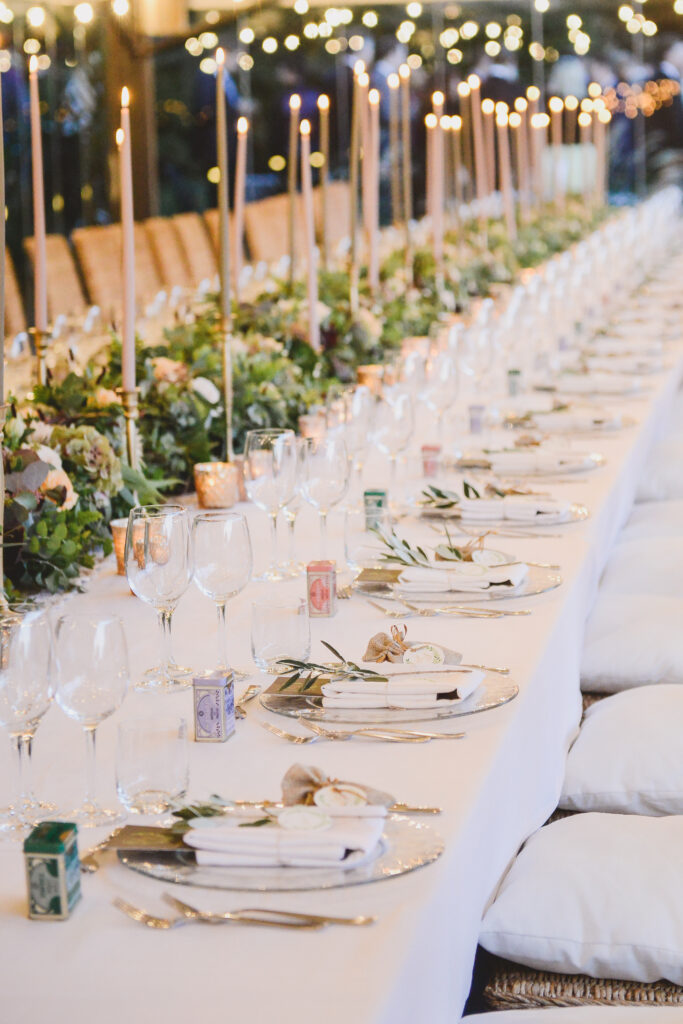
<point x="159" y="570"/>
<point x="270" y="479"/>
<point x="26" y="691"/>
<point x="222" y="564"/>
<point x="442" y="387"/>
<point x="325" y="478"/>
<point x="362" y="545"/>
<point x="279" y="629"/>
<point x="293" y="567"/>
<point x="92" y="680"/>
<point x="394" y="425"/>
<point x="152" y="769"/>
<point x="359" y="405"/>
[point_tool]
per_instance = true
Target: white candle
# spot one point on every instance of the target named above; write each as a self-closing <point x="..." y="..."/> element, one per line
<point x="123" y="140"/>
<point x="223" y="192"/>
<point x="394" y="82"/>
<point x="523" y="156"/>
<point x="556" y="106"/>
<point x="438" y="100"/>
<point x="373" y="184"/>
<point x="307" y="188"/>
<point x="585" y="124"/>
<point x="571" y="105"/>
<point x="539" y="124"/>
<point x="478" y="136"/>
<point x="465" y="101"/>
<point x="324" y="133"/>
<point x="40" y="265"/>
<point x="488" y="108"/>
<point x="2" y="255"/>
<point x="505" y="173"/>
<point x="456" y="129"/>
<point x="404" y="75"/>
<point x="240" y="197"/>
<point x="535" y="172"/>
<point x="364" y="127"/>
<point x="602" y="137"/>
<point x="294" y="108"/>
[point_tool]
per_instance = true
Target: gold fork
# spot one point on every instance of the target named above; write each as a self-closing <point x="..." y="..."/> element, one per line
<point x="306" y="923"/>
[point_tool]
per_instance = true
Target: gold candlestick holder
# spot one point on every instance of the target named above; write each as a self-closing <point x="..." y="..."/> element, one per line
<point x="40" y="339"/>
<point x="131" y="413"/>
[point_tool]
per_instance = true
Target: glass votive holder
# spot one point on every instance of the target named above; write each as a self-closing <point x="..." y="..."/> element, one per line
<point x="152" y="767"/>
<point x="313" y="424"/>
<point x="476" y="414"/>
<point x="118" y="529"/>
<point x="217" y="484"/>
<point x="279" y="630"/>
<point x="371" y="376"/>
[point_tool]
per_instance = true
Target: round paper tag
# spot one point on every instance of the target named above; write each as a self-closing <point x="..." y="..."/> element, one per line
<point x="341" y="795"/>
<point x="424" y="654"/>
<point x="303" y="818"/>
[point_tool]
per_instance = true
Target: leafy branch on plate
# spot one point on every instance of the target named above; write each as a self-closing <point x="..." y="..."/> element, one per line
<point x="450" y="552"/>
<point x="311" y="672"/>
<point x="399" y="550"/>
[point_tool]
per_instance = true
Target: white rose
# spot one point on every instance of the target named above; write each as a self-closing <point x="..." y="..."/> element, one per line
<point x="49" y="455"/>
<point x="206" y="389"/>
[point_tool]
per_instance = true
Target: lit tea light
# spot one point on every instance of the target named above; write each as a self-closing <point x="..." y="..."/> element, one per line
<point x="217" y="484"/>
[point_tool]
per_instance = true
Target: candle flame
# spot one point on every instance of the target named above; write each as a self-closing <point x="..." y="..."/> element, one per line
<point x="445" y="122"/>
<point x="502" y="107"/>
<point x="515" y="120"/>
<point x="220" y="56"/>
<point x="431" y="121"/>
<point x="586" y="106"/>
<point x="364" y="80"/>
<point x="502" y="119"/>
<point x="594" y="89"/>
<point x="456" y="122"/>
<point x="120" y="136"/>
<point x="393" y="81"/>
<point x="585" y="119"/>
<point x="604" y="116"/>
<point x="305" y="127"/>
<point x="473" y="81"/>
<point x="373" y="97"/>
<point x="487" y="107"/>
<point x="359" y="67"/>
<point x="571" y="102"/>
<point x="521" y="105"/>
<point x="125" y="97"/>
<point x="242" y="125"/>
<point x="533" y="93"/>
<point x="438" y="99"/>
<point x="323" y="102"/>
<point x="555" y="104"/>
<point x="463" y="89"/>
<point x="295" y="101"/>
<point x="33" y="65"/>
<point x="540" y="121"/>
<point x="404" y="72"/>
<point x="598" y="104"/>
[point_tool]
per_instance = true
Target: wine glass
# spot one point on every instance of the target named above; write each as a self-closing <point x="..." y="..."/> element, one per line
<point x="159" y="570"/>
<point x="293" y="567"/>
<point x="270" y="479"/>
<point x="394" y="425"/>
<point x="325" y="477"/>
<point x="359" y="408"/>
<point x="92" y="680"/>
<point x="222" y="560"/>
<point x="26" y="691"/>
<point x="442" y="387"/>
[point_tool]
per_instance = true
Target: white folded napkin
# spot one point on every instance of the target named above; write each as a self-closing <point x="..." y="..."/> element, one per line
<point x="597" y="383"/>
<point x="466" y="577"/>
<point x="576" y="422"/>
<point x="535" y="461"/>
<point x="625" y="364"/>
<point x="347" y="843"/>
<point x="515" y="508"/>
<point x="608" y="346"/>
<point x="358" y="693"/>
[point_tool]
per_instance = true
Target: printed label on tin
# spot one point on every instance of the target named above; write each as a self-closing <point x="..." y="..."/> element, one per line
<point x="319" y="594"/>
<point x="209" y="714"/>
<point x="44" y="886"/>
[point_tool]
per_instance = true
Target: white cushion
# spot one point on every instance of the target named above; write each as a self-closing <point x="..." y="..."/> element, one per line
<point x="647" y="566"/>
<point x="585" y="1015"/>
<point x="595" y="894"/>
<point x="628" y="756"/>
<point x="633" y="640"/>
<point x="653" y="519"/>
<point x="662" y="479"/>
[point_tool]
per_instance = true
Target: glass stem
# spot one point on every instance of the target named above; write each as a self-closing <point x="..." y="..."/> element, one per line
<point x="358" y="482"/>
<point x="393" y="464"/>
<point x="27" y="746"/>
<point x="19" y="774"/>
<point x="323" y="533"/>
<point x="90" y="766"/>
<point x="222" y="636"/>
<point x="291" y="523"/>
<point x="273" y="535"/>
<point x="165" y="629"/>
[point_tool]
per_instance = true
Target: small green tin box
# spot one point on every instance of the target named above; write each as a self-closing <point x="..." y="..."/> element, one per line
<point x="53" y="870"/>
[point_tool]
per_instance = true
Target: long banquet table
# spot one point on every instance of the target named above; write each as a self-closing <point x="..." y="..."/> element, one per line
<point x="495" y="787"/>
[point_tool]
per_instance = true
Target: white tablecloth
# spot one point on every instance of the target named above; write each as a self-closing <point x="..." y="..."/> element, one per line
<point x="496" y="787"/>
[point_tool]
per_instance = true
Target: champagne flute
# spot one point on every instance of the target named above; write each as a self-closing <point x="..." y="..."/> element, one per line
<point x="222" y="560"/>
<point x="159" y="570"/>
<point x="26" y="691"/>
<point x="270" y="478"/>
<point x="394" y="425"/>
<point x="92" y="680"/>
<point x="325" y="478"/>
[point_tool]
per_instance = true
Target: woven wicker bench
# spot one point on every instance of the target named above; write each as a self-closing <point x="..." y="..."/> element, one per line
<point x="512" y="987"/>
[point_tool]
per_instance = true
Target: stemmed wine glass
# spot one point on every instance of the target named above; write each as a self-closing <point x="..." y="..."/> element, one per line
<point x="270" y="477"/>
<point x="92" y="680"/>
<point x="325" y="477"/>
<point x="293" y="567"/>
<point x="222" y="560"/>
<point x="359" y="404"/>
<point x="159" y="570"/>
<point x="394" y="425"/>
<point x="26" y="691"/>
<point x="442" y="387"/>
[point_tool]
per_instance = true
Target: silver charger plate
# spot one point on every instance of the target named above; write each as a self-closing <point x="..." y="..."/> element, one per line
<point x="577" y="513"/>
<point x="405" y="846"/>
<point x="493" y="692"/>
<point x="538" y="581"/>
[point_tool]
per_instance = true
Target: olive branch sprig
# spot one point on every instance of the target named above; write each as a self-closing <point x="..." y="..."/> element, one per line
<point x="311" y="672"/>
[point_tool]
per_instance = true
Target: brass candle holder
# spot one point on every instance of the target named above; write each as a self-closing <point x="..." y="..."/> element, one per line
<point x="217" y="484"/>
<point x="131" y="413"/>
<point x="40" y="339"/>
<point x="118" y="529"/>
<point x="371" y="376"/>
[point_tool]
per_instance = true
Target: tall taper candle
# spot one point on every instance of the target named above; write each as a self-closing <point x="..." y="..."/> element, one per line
<point x="481" y="176"/>
<point x="533" y="94"/>
<point x="2" y="273"/>
<point x="354" y="158"/>
<point x="571" y="105"/>
<point x="404" y="75"/>
<point x="40" y="264"/>
<point x="223" y="193"/>
<point x="488" y="108"/>
<point x="505" y="172"/>
<point x="324" y="135"/>
<point x="556" y="106"/>
<point x="585" y="123"/>
<point x="364" y="115"/>
<point x="438" y="100"/>
<point x="465" y="104"/>
<point x="602" y="135"/>
<point x="523" y="155"/>
<point x="123" y="139"/>
<point x="309" y="220"/>
<point x="456" y="141"/>
<point x="240" y="197"/>
<point x="394" y="83"/>
<point x="292" y="175"/>
<point x="539" y="124"/>
<point x="373" y="183"/>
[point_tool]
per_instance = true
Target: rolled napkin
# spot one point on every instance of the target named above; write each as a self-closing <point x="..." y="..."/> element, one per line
<point x="514" y="508"/>
<point x="409" y="694"/>
<point x="466" y="577"/>
<point x="576" y="422"/>
<point x="608" y="346"/>
<point x="535" y="461"/>
<point x="348" y="842"/>
<point x="597" y="383"/>
<point x="625" y="364"/>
